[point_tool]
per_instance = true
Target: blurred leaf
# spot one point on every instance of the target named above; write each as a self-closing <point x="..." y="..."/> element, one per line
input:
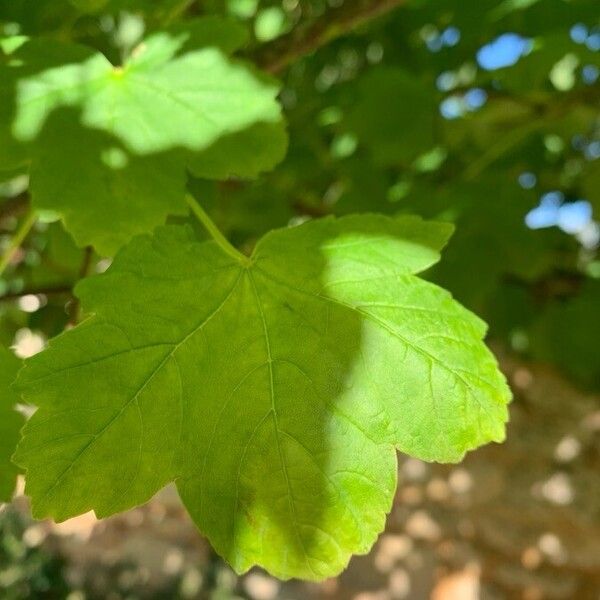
<point x="491" y="237"/>
<point x="393" y="115"/>
<point x="567" y="334"/>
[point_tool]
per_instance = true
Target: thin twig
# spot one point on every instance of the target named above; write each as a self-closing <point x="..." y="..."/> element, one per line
<point x="277" y="55"/>
<point x="176" y="12"/>
<point x="507" y="142"/>
<point x="55" y="290"/>
<point x="543" y="115"/>
<point x="84" y="270"/>
<point x="215" y="232"/>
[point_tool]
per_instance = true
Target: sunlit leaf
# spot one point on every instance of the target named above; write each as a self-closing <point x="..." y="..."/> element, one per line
<point x="110" y="144"/>
<point x="273" y="391"/>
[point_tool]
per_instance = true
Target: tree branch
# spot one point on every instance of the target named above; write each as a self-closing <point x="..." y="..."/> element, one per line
<point x="56" y="290"/>
<point x="277" y="55"/>
<point x="14" y="207"/>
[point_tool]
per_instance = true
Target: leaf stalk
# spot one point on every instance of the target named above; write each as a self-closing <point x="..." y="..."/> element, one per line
<point x="215" y="232"/>
<point x="17" y="240"/>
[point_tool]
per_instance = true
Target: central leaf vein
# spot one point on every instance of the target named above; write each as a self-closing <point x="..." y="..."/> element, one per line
<point x="276" y="423"/>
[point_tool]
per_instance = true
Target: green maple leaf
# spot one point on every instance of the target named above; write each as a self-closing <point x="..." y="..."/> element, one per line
<point x="10" y="422"/>
<point x="273" y="390"/>
<point x="112" y="144"/>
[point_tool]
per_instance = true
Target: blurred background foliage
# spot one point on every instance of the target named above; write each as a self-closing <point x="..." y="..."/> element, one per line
<point x="485" y="113"/>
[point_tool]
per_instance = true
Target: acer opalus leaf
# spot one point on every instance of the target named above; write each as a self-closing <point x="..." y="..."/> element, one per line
<point x="273" y="391"/>
<point x="113" y="143"/>
<point x="10" y="422"/>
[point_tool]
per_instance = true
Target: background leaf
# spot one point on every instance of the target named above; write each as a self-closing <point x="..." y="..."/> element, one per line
<point x="127" y="133"/>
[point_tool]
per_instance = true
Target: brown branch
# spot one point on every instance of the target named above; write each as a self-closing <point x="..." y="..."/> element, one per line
<point x="277" y="55"/>
<point x="14" y="207"/>
<point x="54" y="290"/>
<point x="60" y="289"/>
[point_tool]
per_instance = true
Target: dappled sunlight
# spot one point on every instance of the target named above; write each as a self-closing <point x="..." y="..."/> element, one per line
<point x="331" y="335"/>
<point x="126" y="102"/>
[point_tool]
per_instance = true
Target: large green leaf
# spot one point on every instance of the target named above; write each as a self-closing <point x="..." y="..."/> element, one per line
<point x="272" y="391"/>
<point x="10" y="422"/>
<point x="111" y="144"/>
